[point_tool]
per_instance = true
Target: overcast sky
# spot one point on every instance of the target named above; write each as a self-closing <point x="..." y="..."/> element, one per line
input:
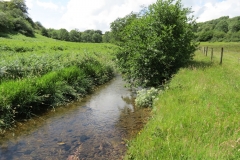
<point x="98" y="14"/>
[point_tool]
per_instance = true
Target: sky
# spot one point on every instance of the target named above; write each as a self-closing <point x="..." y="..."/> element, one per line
<point x="98" y="14"/>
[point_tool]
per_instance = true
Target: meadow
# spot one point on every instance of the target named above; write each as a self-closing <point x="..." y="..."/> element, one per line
<point x="39" y="73"/>
<point x="196" y="116"/>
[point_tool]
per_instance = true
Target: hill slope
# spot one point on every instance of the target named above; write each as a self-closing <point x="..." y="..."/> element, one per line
<point x="221" y="29"/>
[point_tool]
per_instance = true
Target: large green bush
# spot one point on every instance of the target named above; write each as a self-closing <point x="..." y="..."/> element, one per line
<point x="21" y="25"/>
<point x="156" y="43"/>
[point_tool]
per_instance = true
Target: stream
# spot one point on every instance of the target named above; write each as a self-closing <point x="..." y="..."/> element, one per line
<point x="98" y="127"/>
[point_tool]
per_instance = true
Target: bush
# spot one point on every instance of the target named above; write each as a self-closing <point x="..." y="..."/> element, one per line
<point x="156" y="44"/>
<point x="146" y="97"/>
<point x="21" y="25"/>
<point x="5" y="23"/>
<point x="205" y="36"/>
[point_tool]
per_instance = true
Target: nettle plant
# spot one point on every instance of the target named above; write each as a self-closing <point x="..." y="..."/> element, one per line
<point x="146" y="97"/>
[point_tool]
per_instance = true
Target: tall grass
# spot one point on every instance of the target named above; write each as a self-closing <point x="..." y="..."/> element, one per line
<point x="197" y="115"/>
<point x="40" y="78"/>
<point x="27" y="57"/>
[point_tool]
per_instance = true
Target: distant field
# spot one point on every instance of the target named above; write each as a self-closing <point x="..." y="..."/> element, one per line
<point x="197" y="115"/>
<point x="41" y="73"/>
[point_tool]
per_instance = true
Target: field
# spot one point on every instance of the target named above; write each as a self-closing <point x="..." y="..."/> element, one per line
<point x="40" y="73"/>
<point x="197" y="114"/>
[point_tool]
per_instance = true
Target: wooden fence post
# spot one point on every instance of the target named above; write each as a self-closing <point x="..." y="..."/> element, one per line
<point x="221" y="56"/>
<point x="206" y="50"/>
<point x="212" y="55"/>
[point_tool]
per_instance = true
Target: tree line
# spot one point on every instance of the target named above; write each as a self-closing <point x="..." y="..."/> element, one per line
<point x="14" y="18"/>
<point x="221" y="29"/>
<point x="91" y="36"/>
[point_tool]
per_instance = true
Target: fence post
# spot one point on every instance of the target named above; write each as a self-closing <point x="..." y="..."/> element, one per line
<point x="206" y="51"/>
<point x="212" y="55"/>
<point x="221" y="56"/>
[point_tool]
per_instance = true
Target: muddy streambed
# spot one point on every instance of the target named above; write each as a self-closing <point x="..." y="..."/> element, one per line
<point x="95" y="128"/>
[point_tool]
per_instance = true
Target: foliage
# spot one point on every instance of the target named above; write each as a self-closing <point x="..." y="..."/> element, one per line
<point x="97" y="38"/>
<point x="205" y="36"/>
<point x="107" y="37"/>
<point x="221" y="29"/>
<point x="75" y="36"/>
<point x="21" y="25"/>
<point x="63" y="35"/>
<point x="198" y="116"/>
<point x="40" y="73"/>
<point x="156" y="44"/>
<point x="14" y="18"/>
<point x="235" y="26"/>
<point x="119" y="25"/>
<point x="222" y="26"/>
<point x="146" y="97"/>
<point x="5" y="23"/>
<point x="92" y="36"/>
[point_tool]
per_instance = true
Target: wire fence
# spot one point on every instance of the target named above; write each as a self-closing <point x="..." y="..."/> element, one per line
<point x="221" y="54"/>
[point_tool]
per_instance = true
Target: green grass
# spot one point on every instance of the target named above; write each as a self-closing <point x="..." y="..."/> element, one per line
<point x="197" y="115"/>
<point x="41" y="73"/>
<point x="23" y="56"/>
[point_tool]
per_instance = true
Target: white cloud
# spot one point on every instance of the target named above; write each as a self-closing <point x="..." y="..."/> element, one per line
<point x="47" y="5"/>
<point x="98" y="14"/>
<point x="92" y="14"/>
<point x="211" y="9"/>
<point x="29" y="3"/>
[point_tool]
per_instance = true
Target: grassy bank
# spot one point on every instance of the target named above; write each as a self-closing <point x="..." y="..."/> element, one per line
<point x="38" y="76"/>
<point x="197" y="116"/>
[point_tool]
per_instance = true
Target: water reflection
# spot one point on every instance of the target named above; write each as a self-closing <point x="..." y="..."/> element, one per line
<point x="93" y="129"/>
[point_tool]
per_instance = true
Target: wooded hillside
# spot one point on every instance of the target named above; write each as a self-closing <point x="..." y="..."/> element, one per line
<point x="221" y="29"/>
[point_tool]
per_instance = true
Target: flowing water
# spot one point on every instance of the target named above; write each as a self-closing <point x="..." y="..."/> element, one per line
<point x="95" y="128"/>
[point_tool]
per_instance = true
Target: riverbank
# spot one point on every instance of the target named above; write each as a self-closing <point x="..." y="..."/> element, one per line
<point x="97" y="127"/>
<point x="39" y="73"/>
<point x="197" y="116"/>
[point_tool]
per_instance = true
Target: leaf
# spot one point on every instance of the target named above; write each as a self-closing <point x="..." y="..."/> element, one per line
<point x="1" y="122"/>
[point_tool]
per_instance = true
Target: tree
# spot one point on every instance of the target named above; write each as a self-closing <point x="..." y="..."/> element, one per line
<point x="86" y="36"/>
<point x="75" y="36"/>
<point x="107" y="37"/>
<point x="97" y="38"/>
<point x="5" y="23"/>
<point x="205" y="36"/>
<point x="14" y="17"/>
<point x="44" y="32"/>
<point x="156" y="44"/>
<point x="21" y="25"/>
<point x="63" y="34"/>
<point x="118" y="26"/>
<point x="19" y="4"/>
<point x="222" y="26"/>
<point x="235" y="27"/>
<point x="98" y="31"/>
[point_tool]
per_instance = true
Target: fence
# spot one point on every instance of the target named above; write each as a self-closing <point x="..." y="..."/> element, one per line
<point x="218" y="52"/>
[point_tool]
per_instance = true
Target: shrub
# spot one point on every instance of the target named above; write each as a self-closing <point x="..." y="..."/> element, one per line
<point x="156" y="44"/>
<point x="146" y="97"/>
<point x="23" y="26"/>
<point x="5" y="23"/>
<point x="205" y="36"/>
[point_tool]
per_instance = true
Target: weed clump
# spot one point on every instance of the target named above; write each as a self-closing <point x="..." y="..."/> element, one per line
<point x="146" y="97"/>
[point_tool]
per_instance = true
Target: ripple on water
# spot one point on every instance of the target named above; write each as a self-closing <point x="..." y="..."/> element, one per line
<point x="93" y="129"/>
